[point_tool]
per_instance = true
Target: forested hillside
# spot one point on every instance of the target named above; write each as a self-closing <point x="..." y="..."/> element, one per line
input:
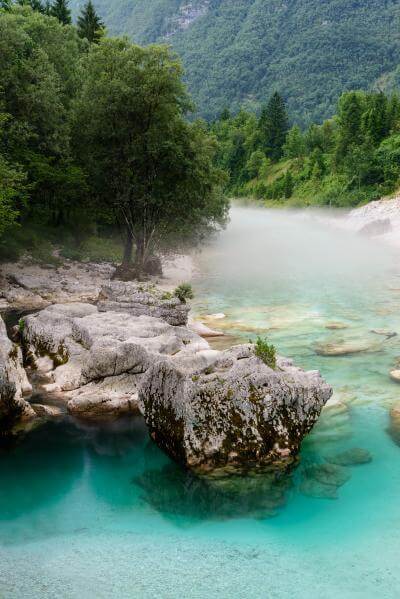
<point x="237" y="52"/>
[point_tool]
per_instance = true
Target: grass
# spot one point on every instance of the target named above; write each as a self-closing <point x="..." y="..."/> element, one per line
<point x="265" y="352"/>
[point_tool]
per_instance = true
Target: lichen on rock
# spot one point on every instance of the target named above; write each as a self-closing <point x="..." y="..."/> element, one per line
<point x="235" y="411"/>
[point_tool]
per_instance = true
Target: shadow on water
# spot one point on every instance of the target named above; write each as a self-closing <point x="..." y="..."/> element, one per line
<point x="40" y="470"/>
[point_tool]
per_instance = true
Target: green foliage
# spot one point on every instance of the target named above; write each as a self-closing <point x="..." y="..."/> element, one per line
<point x="21" y="325"/>
<point x="237" y="52"/>
<point x="94" y="136"/>
<point x="265" y="352"/>
<point x="89" y="24"/>
<point x="146" y="162"/>
<point x="347" y="160"/>
<point x="273" y="127"/>
<point x="184" y="292"/>
<point x="60" y="10"/>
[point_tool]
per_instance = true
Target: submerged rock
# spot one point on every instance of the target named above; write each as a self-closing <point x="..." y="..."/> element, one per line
<point x="14" y="384"/>
<point x="336" y="326"/>
<point x="384" y="332"/>
<point x="235" y="411"/>
<point x="140" y="299"/>
<point x="351" y="457"/>
<point x="323" y="480"/>
<point x="318" y="490"/>
<point x="395" y="375"/>
<point x="327" y="474"/>
<point x="343" y="348"/>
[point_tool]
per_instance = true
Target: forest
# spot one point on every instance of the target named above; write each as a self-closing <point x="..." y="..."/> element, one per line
<point x="236" y="53"/>
<point x="95" y="143"/>
<point x="350" y="159"/>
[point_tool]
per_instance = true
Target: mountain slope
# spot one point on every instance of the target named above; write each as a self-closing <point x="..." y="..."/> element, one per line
<point x="238" y="51"/>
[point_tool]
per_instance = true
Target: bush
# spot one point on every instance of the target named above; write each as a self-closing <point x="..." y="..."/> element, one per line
<point x="184" y="292"/>
<point x="265" y="352"/>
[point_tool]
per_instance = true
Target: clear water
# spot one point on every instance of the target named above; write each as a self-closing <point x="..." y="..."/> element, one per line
<point x="101" y="512"/>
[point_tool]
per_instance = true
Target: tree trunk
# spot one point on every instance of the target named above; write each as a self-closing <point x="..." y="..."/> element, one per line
<point x="140" y="255"/>
<point x="127" y="258"/>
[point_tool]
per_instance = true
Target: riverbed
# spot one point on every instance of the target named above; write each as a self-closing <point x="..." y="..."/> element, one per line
<point x="100" y="512"/>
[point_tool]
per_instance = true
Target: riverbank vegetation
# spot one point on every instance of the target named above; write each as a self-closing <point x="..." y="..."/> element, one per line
<point x="95" y="141"/>
<point x="352" y="158"/>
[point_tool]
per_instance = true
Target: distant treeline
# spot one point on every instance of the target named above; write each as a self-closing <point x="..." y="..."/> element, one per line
<point x="349" y="159"/>
<point x="94" y="136"/>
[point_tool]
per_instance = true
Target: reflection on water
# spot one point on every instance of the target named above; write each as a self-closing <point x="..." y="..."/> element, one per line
<point x="176" y="493"/>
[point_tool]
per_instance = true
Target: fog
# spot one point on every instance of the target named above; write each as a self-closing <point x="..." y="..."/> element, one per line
<point x="261" y="246"/>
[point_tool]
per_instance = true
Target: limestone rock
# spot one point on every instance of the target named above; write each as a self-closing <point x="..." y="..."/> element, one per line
<point x="140" y="299"/>
<point x="343" y="348"/>
<point x="350" y="457"/>
<point x="98" y="358"/>
<point x="235" y="411"/>
<point x="377" y="227"/>
<point x="13" y="384"/>
<point x="327" y="474"/>
<point x="395" y="375"/>
<point x="313" y="488"/>
<point x="336" y="326"/>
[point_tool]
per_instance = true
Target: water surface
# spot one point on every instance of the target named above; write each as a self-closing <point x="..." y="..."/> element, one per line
<point x="101" y="512"/>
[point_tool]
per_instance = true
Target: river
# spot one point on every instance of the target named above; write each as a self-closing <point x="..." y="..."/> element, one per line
<point x="100" y="512"/>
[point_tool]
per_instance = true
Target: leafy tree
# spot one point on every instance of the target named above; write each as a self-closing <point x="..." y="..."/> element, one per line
<point x="375" y="121"/>
<point x="254" y="163"/>
<point x="273" y="127"/>
<point x="89" y="24"/>
<point x="60" y="10"/>
<point x="295" y="146"/>
<point x="145" y="160"/>
<point x="38" y="71"/>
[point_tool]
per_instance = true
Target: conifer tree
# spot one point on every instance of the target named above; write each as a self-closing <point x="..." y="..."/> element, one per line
<point x="89" y="23"/>
<point x="61" y="11"/>
<point x="273" y="126"/>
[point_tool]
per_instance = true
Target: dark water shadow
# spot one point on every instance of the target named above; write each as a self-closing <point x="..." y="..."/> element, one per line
<point x="40" y="470"/>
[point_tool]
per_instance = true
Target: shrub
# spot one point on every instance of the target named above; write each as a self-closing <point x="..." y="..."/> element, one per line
<point x="265" y="352"/>
<point x="184" y="292"/>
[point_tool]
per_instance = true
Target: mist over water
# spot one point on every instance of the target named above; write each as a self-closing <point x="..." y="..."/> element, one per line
<point x="88" y="512"/>
<point x="270" y="248"/>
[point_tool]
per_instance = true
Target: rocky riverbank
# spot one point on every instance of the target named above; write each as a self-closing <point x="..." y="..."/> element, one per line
<point x="127" y="349"/>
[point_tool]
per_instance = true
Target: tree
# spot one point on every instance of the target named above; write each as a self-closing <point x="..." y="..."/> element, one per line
<point x="12" y="184"/>
<point x="38" y="73"/>
<point x="375" y="121"/>
<point x="294" y="146"/>
<point x="144" y="159"/>
<point x="61" y="11"/>
<point x="350" y="112"/>
<point x="89" y="24"/>
<point x="273" y="126"/>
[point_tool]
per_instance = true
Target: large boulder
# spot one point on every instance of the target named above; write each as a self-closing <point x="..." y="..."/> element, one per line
<point x="140" y="299"/>
<point x="235" y="411"/>
<point x="14" y="384"/>
<point x="98" y="358"/>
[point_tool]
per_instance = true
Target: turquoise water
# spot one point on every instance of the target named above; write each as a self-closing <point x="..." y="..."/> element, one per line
<point x="101" y="512"/>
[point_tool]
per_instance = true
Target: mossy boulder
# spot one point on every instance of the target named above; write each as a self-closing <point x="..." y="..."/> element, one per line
<point x="236" y="411"/>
